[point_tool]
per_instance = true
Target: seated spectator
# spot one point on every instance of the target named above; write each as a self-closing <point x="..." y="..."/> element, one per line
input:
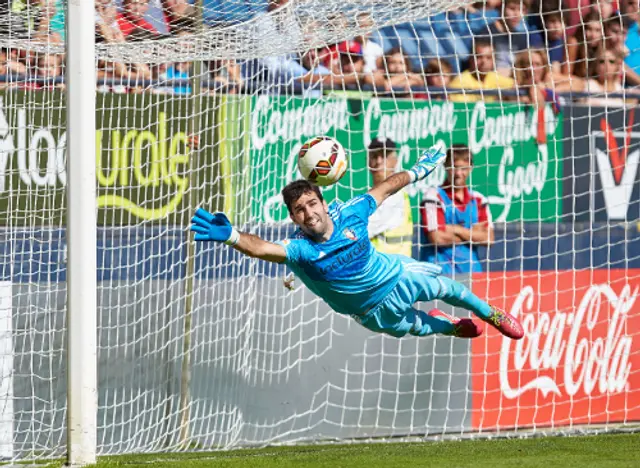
<point x="48" y="68"/>
<point x="582" y="47"/>
<point x="107" y="28"/>
<point x="629" y="9"/>
<point x="455" y="220"/>
<point x="397" y="72"/>
<point x="109" y="75"/>
<point x="480" y="76"/>
<point x="605" y="79"/>
<point x="179" y="14"/>
<point x="438" y="74"/>
<point x="132" y="17"/>
<point x="179" y="71"/>
<point x="9" y="65"/>
<point x="615" y="32"/>
<point x="346" y="69"/>
<point x="553" y="37"/>
<point x="533" y="75"/>
<point x="371" y="51"/>
<point x="575" y="10"/>
<point x="226" y="74"/>
<point x="510" y="34"/>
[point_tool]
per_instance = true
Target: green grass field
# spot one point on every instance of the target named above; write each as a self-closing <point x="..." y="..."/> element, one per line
<point x="602" y="451"/>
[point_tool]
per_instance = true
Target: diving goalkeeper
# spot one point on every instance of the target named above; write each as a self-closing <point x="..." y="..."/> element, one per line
<point x="332" y="255"/>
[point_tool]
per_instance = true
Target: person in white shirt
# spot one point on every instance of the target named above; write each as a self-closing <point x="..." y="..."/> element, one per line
<point x="391" y="225"/>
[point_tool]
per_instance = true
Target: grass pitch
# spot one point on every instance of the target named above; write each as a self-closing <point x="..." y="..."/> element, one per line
<point x="601" y="451"/>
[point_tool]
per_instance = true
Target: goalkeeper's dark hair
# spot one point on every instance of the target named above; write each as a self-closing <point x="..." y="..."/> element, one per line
<point x="296" y="189"/>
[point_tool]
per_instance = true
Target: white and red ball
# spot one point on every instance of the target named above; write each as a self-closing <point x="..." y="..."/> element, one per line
<point x="322" y="161"/>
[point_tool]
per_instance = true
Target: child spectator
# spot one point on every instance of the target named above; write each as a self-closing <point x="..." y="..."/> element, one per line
<point x="455" y="220"/>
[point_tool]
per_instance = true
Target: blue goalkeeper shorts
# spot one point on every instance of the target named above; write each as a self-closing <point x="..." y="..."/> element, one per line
<point x="419" y="282"/>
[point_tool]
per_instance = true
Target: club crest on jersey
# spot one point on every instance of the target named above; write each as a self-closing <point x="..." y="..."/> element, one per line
<point x="349" y="234"/>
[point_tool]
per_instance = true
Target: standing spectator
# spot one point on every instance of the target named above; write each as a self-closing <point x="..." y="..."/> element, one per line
<point x="132" y="17"/>
<point x="391" y="225"/>
<point x="480" y="76"/>
<point x="455" y="219"/>
<point x="371" y="51"/>
<point x="511" y="34"/>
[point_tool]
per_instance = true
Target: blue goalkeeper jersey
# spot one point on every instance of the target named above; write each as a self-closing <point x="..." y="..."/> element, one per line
<point x="345" y="271"/>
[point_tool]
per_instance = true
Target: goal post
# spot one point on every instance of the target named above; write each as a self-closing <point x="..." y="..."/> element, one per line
<point x="120" y="334"/>
<point x="81" y="236"/>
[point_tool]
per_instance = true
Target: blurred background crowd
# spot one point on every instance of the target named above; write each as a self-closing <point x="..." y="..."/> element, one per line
<point x="589" y="48"/>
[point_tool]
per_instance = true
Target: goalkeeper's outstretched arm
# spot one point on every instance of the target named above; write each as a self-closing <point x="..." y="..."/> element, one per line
<point x="426" y="164"/>
<point x="255" y="247"/>
<point x="216" y="227"/>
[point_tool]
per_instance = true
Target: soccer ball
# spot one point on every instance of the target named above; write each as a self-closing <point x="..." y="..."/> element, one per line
<point x="322" y="161"/>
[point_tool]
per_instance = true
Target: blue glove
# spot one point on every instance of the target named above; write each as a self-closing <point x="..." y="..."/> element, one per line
<point x="213" y="227"/>
<point x="427" y="163"/>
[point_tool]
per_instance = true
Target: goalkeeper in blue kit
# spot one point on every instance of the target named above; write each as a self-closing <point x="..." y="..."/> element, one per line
<point x="332" y="255"/>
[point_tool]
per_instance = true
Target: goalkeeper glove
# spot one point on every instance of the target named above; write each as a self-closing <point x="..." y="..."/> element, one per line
<point x="213" y="227"/>
<point x="427" y="163"/>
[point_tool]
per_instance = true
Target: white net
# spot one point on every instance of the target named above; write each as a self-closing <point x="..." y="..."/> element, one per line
<point x="207" y="104"/>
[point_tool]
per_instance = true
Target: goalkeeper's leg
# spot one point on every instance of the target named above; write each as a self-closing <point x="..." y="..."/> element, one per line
<point x="458" y="295"/>
<point x="425" y="284"/>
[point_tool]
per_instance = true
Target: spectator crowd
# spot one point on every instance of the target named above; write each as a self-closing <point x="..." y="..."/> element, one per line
<point x="529" y="50"/>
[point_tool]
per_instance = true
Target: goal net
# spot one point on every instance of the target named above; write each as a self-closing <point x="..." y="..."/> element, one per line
<point x="207" y="104"/>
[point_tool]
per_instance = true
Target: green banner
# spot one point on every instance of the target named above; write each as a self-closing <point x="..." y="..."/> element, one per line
<point x="521" y="178"/>
<point x="247" y="153"/>
<point x="142" y="159"/>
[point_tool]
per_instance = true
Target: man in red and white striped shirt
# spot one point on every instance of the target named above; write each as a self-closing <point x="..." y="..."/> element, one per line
<point x="455" y="219"/>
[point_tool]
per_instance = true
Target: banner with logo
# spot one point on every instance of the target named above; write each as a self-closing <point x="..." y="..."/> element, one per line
<point x="247" y="152"/>
<point x="578" y="360"/>
<point x="142" y="158"/>
<point x="602" y="164"/>
<point x="522" y="179"/>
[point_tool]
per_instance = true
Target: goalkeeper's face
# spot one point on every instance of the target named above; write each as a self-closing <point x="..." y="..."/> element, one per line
<point x="311" y="215"/>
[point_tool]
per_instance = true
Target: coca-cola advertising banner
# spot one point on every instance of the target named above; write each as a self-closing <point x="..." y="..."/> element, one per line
<point x="601" y="164"/>
<point x="579" y="361"/>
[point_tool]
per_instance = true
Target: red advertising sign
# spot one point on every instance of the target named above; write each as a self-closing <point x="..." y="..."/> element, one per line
<point x="579" y="361"/>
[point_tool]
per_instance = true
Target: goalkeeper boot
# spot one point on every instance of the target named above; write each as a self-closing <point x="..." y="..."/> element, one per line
<point x="505" y="323"/>
<point x="462" y="327"/>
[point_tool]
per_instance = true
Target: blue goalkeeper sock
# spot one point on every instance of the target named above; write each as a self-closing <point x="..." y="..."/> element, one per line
<point x="458" y="295"/>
